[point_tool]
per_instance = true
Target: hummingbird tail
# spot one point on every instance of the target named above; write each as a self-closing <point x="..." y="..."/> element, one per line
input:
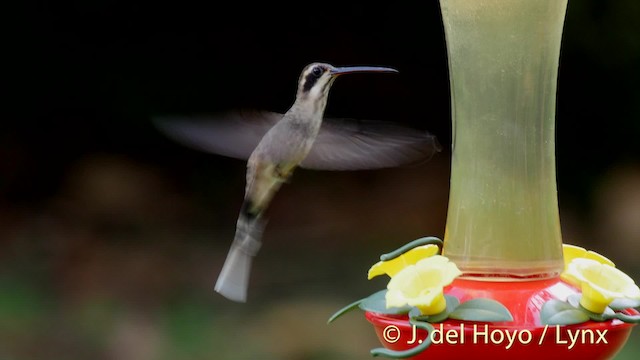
<point x="233" y="280"/>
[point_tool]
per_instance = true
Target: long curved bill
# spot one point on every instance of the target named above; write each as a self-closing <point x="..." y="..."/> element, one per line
<point x="356" y="69"/>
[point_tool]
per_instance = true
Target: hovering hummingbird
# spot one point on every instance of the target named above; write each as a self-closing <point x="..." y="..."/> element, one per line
<point x="276" y="144"/>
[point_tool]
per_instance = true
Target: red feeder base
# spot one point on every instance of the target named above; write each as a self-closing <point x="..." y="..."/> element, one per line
<point x="523" y="338"/>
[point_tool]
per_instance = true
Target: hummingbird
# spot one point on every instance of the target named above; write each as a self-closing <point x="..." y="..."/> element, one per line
<point x="276" y="144"/>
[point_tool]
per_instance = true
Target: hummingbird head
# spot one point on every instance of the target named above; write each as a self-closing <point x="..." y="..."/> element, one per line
<point x="316" y="80"/>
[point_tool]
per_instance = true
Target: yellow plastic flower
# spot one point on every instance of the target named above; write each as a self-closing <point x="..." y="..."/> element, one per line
<point x="600" y="283"/>
<point x="393" y="266"/>
<point x="421" y="285"/>
<point x="571" y="252"/>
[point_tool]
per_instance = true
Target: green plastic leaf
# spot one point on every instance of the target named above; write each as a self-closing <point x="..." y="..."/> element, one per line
<point x="394" y="354"/>
<point x="556" y="312"/>
<point x="415" y="243"/>
<point x="623" y="304"/>
<point x="452" y="303"/>
<point x="634" y="319"/>
<point x="377" y="303"/>
<point x="608" y="314"/>
<point x="486" y="310"/>
<point x="344" y="310"/>
<point x="414" y="313"/>
<point x="574" y="300"/>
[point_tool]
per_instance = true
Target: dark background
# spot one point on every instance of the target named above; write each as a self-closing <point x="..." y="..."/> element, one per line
<point x="112" y="235"/>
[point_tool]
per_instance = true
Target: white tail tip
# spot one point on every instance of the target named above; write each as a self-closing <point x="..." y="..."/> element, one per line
<point x="233" y="281"/>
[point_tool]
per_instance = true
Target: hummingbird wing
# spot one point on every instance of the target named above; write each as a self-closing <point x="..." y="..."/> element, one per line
<point x="348" y="144"/>
<point x="232" y="134"/>
<point x="341" y="144"/>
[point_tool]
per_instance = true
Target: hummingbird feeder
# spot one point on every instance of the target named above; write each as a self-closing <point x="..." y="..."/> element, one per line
<point x="502" y="284"/>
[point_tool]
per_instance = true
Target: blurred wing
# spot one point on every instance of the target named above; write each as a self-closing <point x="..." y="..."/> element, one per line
<point x="346" y="144"/>
<point x="233" y="134"/>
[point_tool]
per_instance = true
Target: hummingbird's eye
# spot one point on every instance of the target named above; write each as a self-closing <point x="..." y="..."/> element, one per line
<point x="317" y="71"/>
